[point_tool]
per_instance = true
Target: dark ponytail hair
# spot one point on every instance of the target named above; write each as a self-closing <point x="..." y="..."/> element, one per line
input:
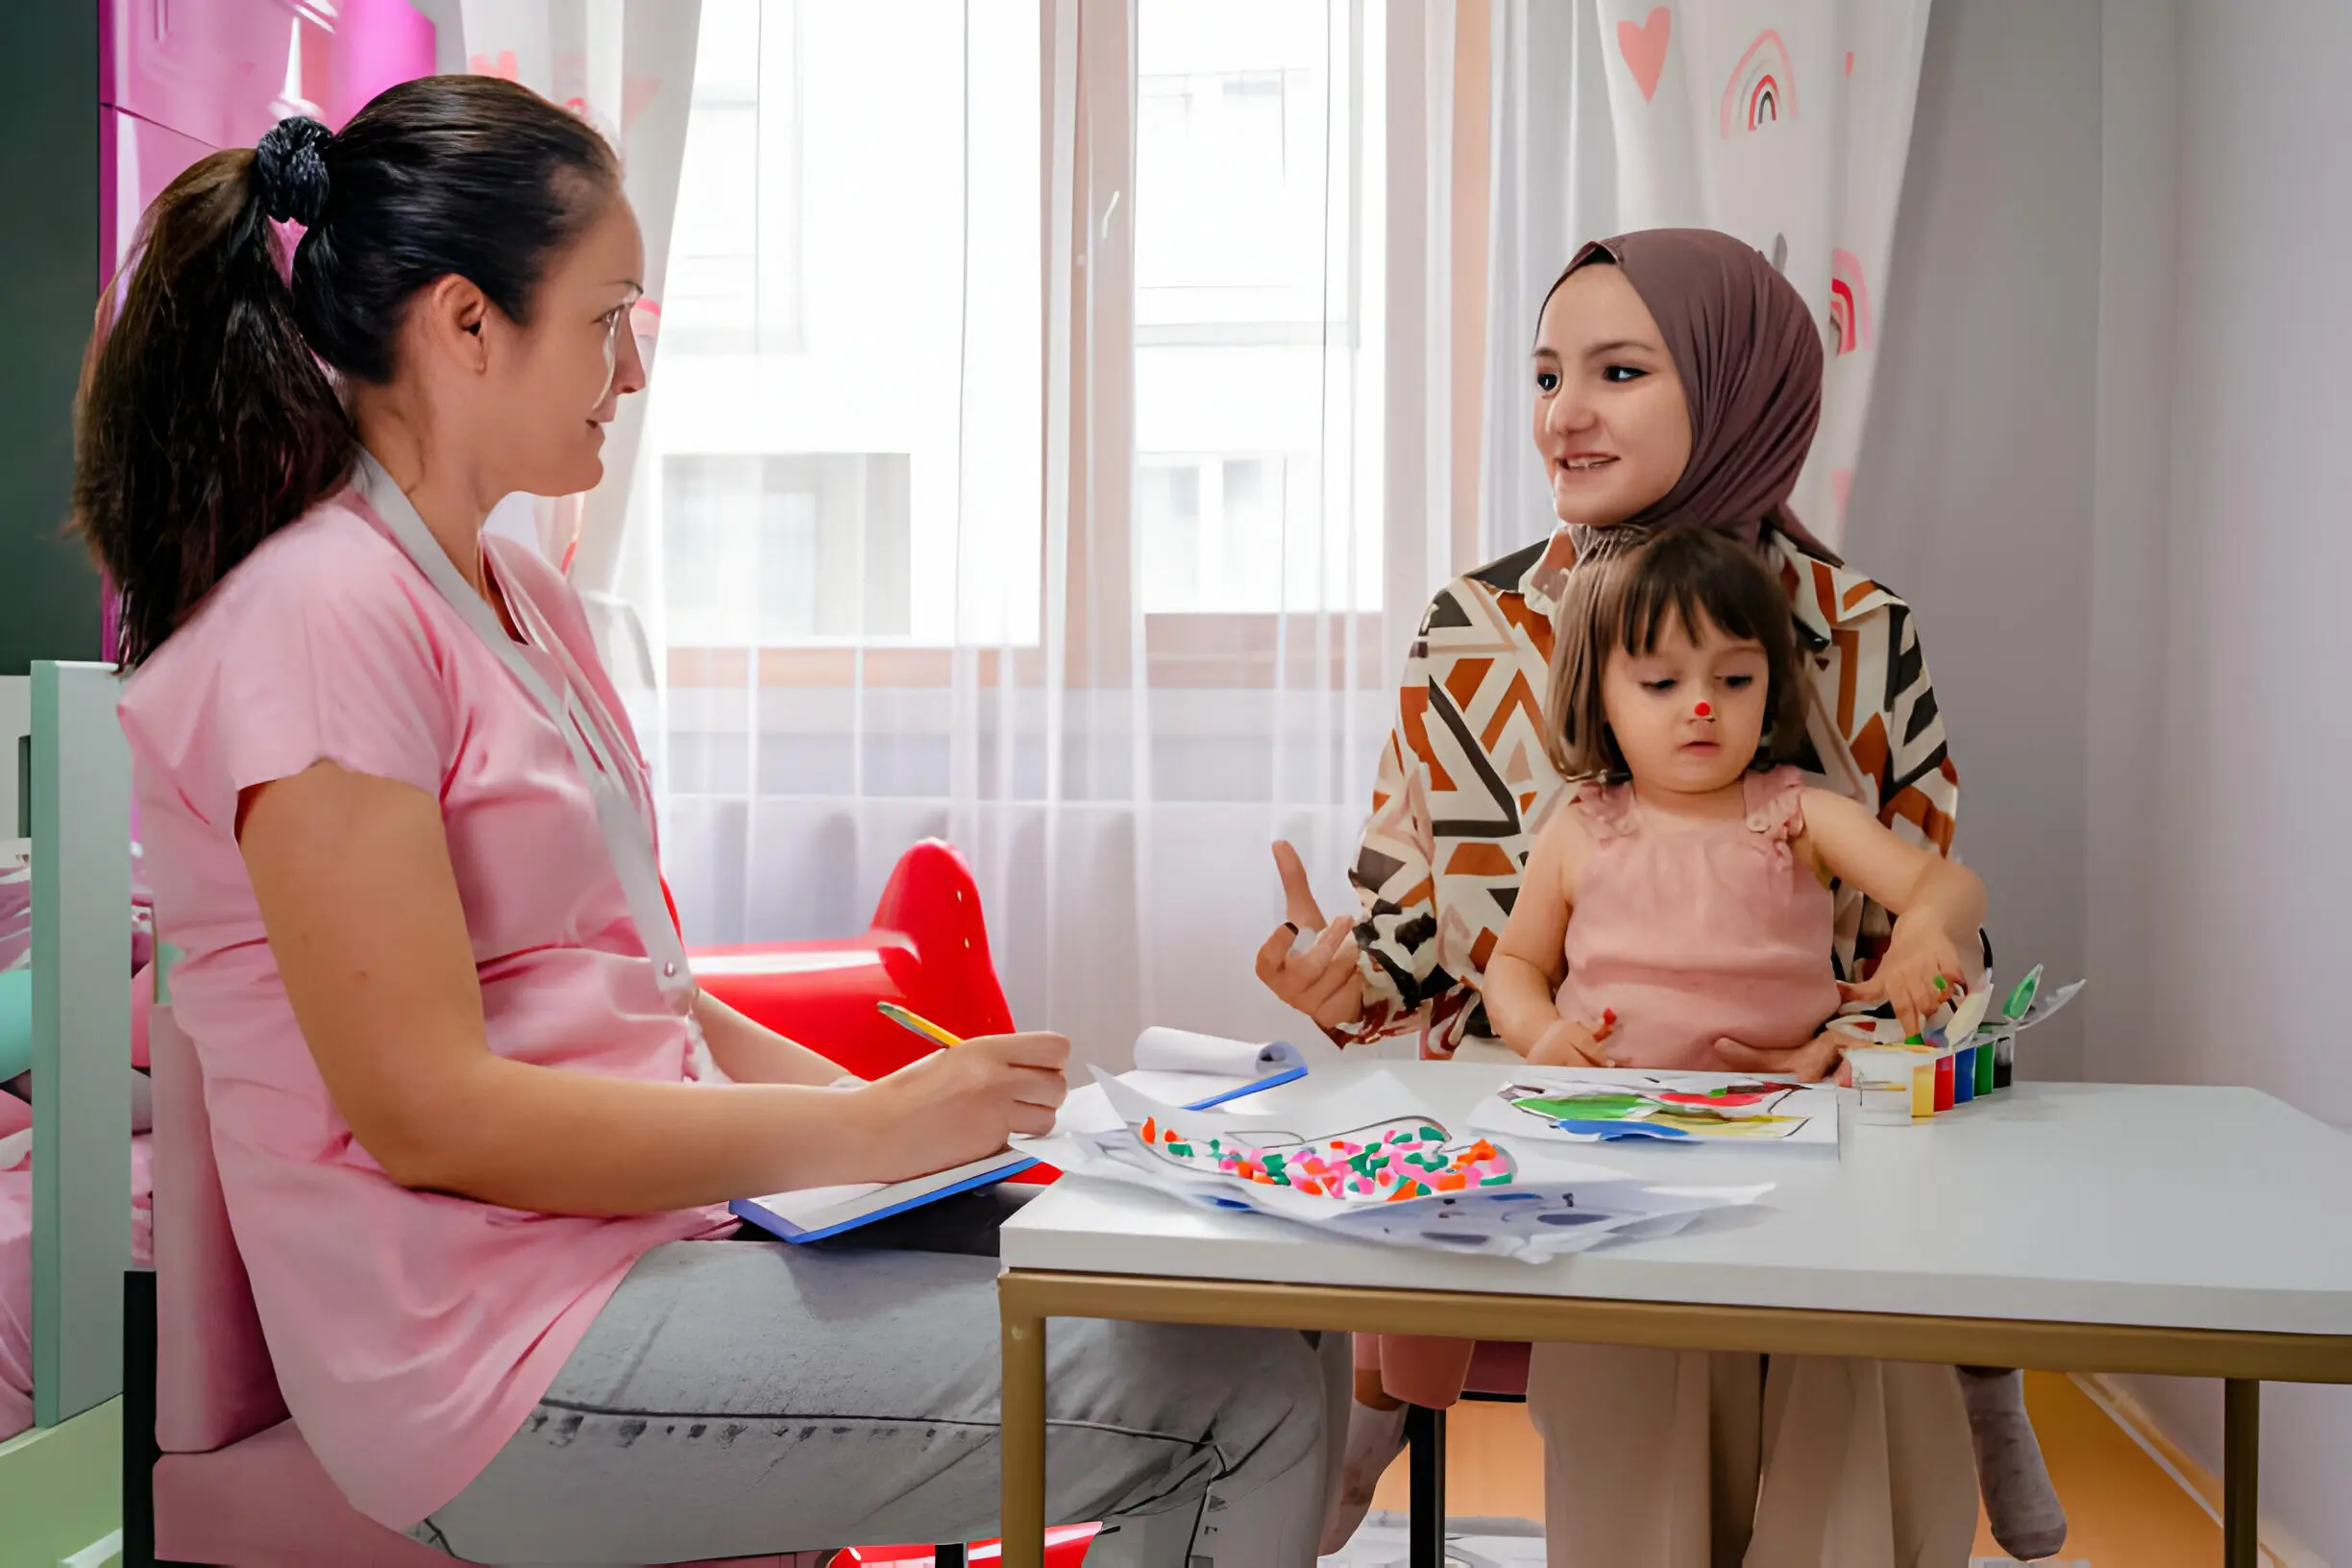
<point x="206" y="422"/>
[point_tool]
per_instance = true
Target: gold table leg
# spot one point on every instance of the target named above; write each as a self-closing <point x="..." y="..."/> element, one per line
<point x="2241" y="1472"/>
<point x="1022" y="1440"/>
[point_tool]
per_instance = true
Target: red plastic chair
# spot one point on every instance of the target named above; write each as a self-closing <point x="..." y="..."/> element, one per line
<point x="1065" y="1546"/>
<point x="927" y="950"/>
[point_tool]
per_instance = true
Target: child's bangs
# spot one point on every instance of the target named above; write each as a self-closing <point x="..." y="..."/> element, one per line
<point x="1684" y="583"/>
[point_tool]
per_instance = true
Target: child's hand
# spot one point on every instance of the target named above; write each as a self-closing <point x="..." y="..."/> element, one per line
<point x="1570" y="1043"/>
<point x="1920" y="973"/>
<point x="1810" y="1063"/>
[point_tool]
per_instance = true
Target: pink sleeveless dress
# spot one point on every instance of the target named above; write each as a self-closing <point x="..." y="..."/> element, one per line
<point x="1690" y="932"/>
<point x="1697" y="931"/>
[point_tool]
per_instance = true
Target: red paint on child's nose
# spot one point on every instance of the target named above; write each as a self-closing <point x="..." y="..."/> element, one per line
<point x="1704" y="711"/>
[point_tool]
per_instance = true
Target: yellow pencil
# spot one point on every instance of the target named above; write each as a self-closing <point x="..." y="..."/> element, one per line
<point x="917" y="1023"/>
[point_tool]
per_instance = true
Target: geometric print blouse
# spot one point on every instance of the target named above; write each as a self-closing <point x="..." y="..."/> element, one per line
<point x="1464" y="783"/>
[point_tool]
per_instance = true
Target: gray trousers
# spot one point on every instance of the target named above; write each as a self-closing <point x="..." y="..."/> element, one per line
<point x="736" y="1398"/>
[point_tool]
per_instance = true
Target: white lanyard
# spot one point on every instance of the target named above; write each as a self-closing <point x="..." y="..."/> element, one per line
<point x="577" y="714"/>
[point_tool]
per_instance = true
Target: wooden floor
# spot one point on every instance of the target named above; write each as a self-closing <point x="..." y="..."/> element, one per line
<point x="2123" y="1511"/>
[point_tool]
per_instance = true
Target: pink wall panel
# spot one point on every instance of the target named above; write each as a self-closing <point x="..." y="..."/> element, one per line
<point x="377" y="44"/>
<point x="179" y="78"/>
<point x="139" y="160"/>
<point x="224" y="71"/>
<point x="209" y="69"/>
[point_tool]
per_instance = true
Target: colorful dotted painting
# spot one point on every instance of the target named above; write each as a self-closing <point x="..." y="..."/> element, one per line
<point x="1392" y="1162"/>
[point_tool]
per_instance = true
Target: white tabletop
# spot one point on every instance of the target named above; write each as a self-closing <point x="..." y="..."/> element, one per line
<point x="2089" y="1203"/>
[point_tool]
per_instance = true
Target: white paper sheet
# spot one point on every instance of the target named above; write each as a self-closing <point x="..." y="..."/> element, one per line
<point x="1584" y="1105"/>
<point x="1180" y="1050"/>
<point x="1180" y="1067"/>
<point x="1521" y="1200"/>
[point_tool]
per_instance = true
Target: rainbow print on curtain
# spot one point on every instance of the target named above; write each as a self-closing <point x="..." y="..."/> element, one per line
<point x="1785" y="122"/>
<point x="1762" y="89"/>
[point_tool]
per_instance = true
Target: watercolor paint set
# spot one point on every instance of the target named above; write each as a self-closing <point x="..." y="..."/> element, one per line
<point x="1968" y="1053"/>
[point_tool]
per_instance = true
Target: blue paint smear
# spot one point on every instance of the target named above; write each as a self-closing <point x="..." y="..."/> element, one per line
<point x="1610" y="1131"/>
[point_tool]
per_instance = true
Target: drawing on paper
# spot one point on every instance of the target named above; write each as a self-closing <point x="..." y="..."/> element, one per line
<point x="1362" y="1159"/>
<point x="1391" y="1161"/>
<point x="1691" y="1107"/>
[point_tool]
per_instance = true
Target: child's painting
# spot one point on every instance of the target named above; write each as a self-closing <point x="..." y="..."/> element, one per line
<point x="1584" y="1106"/>
<point x="1362" y="1159"/>
<point x="1391" y="1161"/>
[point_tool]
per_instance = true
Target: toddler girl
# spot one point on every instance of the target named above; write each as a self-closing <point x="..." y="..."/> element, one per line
<point x="1679" y="901"/>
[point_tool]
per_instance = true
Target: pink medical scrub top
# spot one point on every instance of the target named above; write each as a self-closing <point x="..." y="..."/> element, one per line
<point x="412" y="1332"/>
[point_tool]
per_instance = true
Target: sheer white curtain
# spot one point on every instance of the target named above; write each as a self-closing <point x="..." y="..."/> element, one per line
<point x="1021" y="474"/>
<point x="1786" y="123"/>
<point x="628" y="67"/>
<point x="1553" y="184"/>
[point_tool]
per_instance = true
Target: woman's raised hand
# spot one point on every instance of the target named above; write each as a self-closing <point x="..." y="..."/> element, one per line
<point x="962" y="1104"/>
<point x="1321" y="981"/>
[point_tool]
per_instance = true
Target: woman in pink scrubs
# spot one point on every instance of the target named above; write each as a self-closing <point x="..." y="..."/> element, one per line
<point x="476" y="1125"/>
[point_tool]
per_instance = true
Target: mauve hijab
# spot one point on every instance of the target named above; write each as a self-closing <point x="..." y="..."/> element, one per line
<point x="1750" y="355"/>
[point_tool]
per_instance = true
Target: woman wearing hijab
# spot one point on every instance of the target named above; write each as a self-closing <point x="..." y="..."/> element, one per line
<point x="1676" y="379"/>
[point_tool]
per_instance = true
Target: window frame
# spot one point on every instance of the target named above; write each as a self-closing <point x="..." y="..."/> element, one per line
<point x="1091" y="578"/>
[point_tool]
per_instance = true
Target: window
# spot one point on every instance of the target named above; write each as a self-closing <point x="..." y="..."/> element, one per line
<point x="857" y="272"/>
<point x="848" y="425"/>
<point x="734" y="281"/>
<point x="758" y="547"/>
<point x="1257" y="368"/>
<point x="1207" y="520"/>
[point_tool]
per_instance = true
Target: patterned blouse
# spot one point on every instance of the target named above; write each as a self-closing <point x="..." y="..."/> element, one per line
<point x="1464" y="782"/>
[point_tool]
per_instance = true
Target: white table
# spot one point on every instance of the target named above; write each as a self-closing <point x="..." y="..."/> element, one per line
<point x="2092" y="1227"/>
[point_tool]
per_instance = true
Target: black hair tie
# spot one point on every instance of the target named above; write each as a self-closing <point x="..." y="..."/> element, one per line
<point x="290" y="166"/>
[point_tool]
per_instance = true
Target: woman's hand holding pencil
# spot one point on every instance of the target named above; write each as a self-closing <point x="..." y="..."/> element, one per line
<point x="961" y="1104"/>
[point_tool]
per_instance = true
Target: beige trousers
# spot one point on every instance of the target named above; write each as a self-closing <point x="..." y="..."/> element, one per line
<point x="1660" y="1459"/>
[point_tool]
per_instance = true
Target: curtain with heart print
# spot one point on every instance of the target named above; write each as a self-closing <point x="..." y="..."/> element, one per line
<point x="1784" y="122"/>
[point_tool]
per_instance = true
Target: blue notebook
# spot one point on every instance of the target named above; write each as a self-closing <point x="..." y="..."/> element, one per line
<point x="814" y="1213"/>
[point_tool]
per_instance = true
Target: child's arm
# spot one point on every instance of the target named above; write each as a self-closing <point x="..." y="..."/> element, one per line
<point x="1528" y="964"/>
<point x="1939" y="903"/>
